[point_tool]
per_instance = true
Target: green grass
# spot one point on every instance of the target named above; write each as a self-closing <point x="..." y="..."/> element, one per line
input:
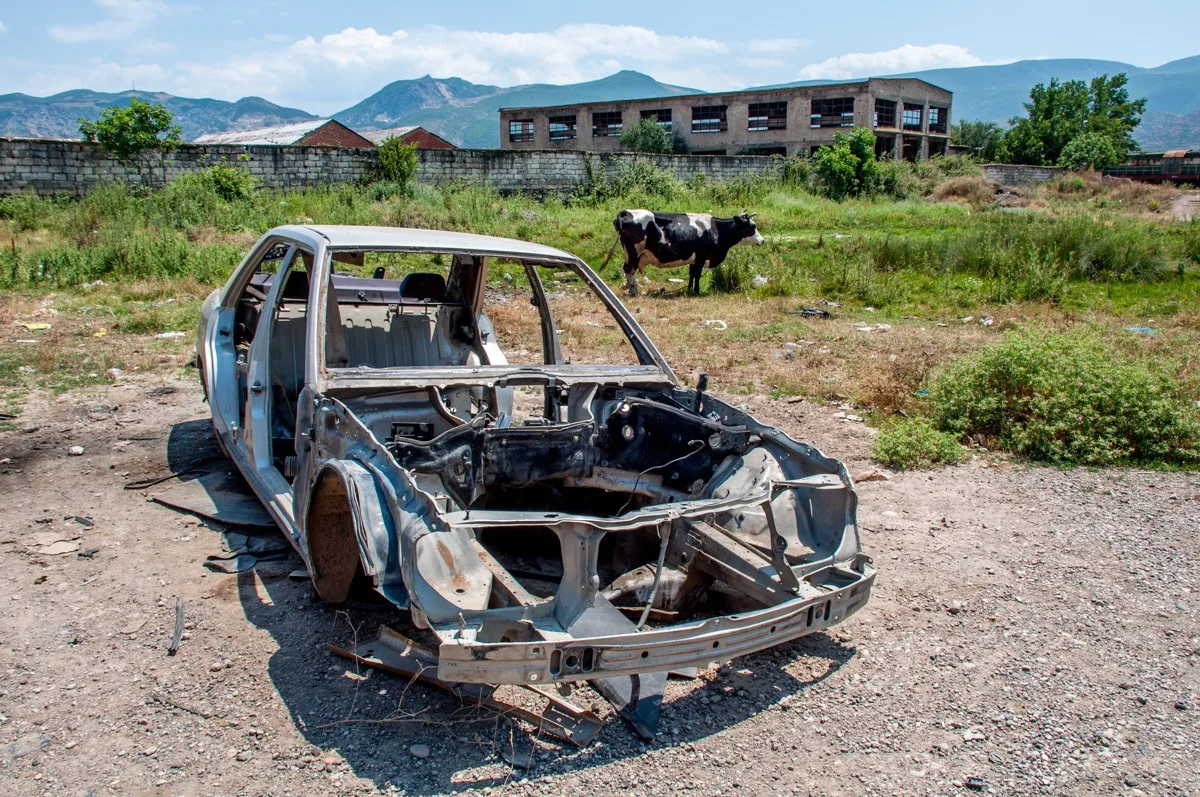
<point x="903" y="257"/>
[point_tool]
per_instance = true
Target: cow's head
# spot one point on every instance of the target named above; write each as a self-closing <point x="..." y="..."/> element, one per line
<point x="747" y="230"/>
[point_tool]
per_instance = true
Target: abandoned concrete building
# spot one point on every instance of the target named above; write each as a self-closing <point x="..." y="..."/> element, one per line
<point x="910" y="119"/>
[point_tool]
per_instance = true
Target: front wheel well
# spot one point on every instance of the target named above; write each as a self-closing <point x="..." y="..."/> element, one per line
<point x="331" y="539"/>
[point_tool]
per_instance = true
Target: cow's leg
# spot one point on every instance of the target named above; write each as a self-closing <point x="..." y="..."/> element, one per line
<point x="632" y="261"/>
<point x="694" y="272"/>
<point x="631" y="279"/>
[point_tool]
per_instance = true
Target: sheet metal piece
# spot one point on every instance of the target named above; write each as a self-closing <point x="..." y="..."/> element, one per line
<point x="221" y="496"/>
<point x="393" y="652"/>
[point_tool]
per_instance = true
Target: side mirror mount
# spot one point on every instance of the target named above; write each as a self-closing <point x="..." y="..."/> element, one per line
<point x="701" y="386"/>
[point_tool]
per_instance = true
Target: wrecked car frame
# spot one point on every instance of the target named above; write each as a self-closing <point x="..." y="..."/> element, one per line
<point x="627" y="528"/>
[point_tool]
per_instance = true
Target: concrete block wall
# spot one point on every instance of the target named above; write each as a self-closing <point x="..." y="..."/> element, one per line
<point x="1018" y="175"/>
<point x="75" y="167"/>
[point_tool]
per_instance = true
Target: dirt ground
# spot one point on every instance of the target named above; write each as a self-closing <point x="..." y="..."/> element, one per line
<point x="1033" y="631"/>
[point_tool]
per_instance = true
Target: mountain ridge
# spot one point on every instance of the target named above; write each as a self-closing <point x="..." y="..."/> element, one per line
<point x="466" y="113"/>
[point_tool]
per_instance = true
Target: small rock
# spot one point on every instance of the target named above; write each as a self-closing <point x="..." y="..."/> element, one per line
<point x="1181" y="705"/>
<point x="75" y="451"/>
<point x="973" y="735"/>
<point x="114" y="373"/>
<point x="216" y="666"/>
<point x="873" y="475"/>
<point x="244" y="755"/>
<point x="955" y="607"/>
<point x="26" y="745"/>
<point x="419" y="751"/>
<point x="1130" y="780"/>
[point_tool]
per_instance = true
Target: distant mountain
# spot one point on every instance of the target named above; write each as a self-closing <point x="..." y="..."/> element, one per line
<point x="466" y="113"/>
<point x="58" y="116"/>
<point x="998" y="93"/>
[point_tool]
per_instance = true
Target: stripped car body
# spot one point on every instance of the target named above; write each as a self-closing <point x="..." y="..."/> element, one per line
<point x="635" y="527"/>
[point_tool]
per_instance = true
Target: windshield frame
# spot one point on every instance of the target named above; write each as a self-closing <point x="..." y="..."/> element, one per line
<point x="653" y="369"/>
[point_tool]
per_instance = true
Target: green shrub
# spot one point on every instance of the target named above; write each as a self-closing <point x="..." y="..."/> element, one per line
<point x="647" y="135"/>
<point x="848" y="167"/>
<point x="914" y="443"/>
<point x="1191" y="241"/>
<point x="27" y="210"/>
<point x="397" y="162"/>
<point x="1067" y="399"/>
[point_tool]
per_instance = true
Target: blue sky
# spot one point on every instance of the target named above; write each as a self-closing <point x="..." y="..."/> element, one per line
<point x="324" y="56"/>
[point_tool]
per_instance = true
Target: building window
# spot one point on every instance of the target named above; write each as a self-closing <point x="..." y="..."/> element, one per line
<point x="885" y="146"/>
<point x="606" y="124"/>
<point x="660" y="115"/>
<point x="937" y="146"/>
<point x="912" y="148"/>
<point x="709" y="119"/>
<point x="708" y="152"/>
<point x="833" y="112"/>
<point x="767" y="116"/>
<point x="562" y="128"/>
<point x="520" y="131"/>
<point x="912" y="116"/>
<point x="937" y="119"/>
<point x="885" y="113"/>
<point x="770" y="150"/>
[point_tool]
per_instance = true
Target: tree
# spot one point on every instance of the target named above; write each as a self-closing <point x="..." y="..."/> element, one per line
<point x="1112" y="114"/>
<point x="982" y="139"/>
<point x="848" y="168"/>
<point x="647" y="135"/>
<point x="1057" y="113"/>
<point x="126" y="131"/>
<point x="1090" y="151"/>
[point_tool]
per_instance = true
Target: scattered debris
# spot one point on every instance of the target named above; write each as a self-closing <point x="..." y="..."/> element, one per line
<point x="114" y="373"/>
<point x="177" y="637"/>
<point x="134" y="626"/>
<point x="100" y="333"/>
<point x="88" y="553"/>
<point x="985" y="320"/>
<point x="159" y="392"/>
<point x="975" y="783"/>
<point x="169" y="335"/>
<point x="239" y="563"/>
<point x="83" y="520"/>
<point x="299" y="575"/>
<point x="221" y="496"/>
<point x="759" y="280"/>
<point x="36" y="326"/>
<point x="873" y="475"/>
<point x="354" y="676"/>
<point x="59" y="548"/>
<point x="519" y="750"/>
<point x="1143" y="330"/>
<point x="812" y="312"/>
<point x="717" y="324"/>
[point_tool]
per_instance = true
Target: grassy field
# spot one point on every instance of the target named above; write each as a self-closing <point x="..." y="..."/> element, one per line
<point x="906" y="281"/>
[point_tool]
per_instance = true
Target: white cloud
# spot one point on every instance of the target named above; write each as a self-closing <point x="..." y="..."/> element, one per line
<point x="3" y="27"/>
<point x="330" y="72"/>
<point x="122" y="19"/>
<point x="909" y="58"/>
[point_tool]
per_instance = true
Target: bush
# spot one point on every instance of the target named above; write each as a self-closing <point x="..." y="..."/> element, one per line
<point x="638" y="181"/>
<point x="978" y="192"/>
<point x="1067" y="399"/>
<point x="914" y="443"/>
<point x="27" y="210"/>
<point x="397" y="162"/>
<point x="847" y="168"/>
<point x="647" y="135"/>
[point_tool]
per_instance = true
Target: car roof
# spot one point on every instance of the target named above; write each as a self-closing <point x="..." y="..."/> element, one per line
<point x="361" y="237"/>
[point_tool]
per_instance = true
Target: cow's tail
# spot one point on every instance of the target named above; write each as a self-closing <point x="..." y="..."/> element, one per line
<point x="611" y="249"/>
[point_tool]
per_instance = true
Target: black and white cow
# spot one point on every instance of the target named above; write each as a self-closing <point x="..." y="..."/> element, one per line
<point x="675" y="239"/>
